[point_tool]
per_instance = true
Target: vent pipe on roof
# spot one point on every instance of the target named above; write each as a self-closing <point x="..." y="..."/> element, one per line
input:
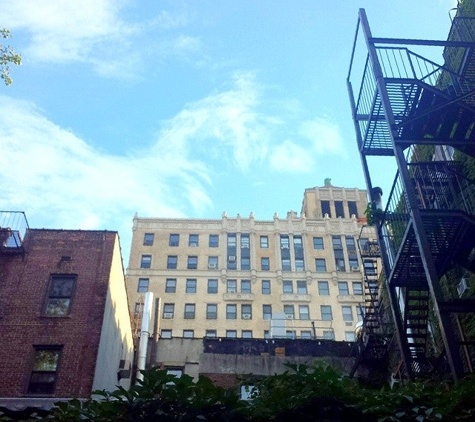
<point x="144" y="334"/>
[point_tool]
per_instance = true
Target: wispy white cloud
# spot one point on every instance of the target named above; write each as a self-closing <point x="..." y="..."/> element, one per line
<point x="324" y="135"/>
<point x="289" y="157"/>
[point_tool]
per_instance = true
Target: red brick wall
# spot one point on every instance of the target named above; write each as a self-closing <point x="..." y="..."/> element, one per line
<point x="23" y="287"/>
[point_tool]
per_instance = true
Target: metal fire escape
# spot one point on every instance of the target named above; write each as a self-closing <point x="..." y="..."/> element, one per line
<point x="404" y="102"/>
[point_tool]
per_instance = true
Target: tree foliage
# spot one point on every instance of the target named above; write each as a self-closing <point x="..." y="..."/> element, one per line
<point x="7" y="57"/>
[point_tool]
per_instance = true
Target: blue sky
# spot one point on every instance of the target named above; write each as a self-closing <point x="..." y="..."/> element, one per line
<point x="183" y="108"/>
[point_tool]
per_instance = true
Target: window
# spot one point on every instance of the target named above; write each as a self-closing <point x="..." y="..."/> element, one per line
<point x="326" y="208"/>
<point x="290" y="334"/>
<point x="357" y="288"/>
<point x="284" y="242"/>
<point x="328" y="335"/>
<point x="266" y="334"/>
<point x="210" y="333"/>
<point x="339" y="209"/>
<point x="265" y="264"/>
<point x="231" y="333"/>
<point x="245" y="263"/>
<point x="174" y="240"/>
<point x="267" y="312"/>
<point x="350" y="243"/>
<point x="289" y="311"/>
<point x="336" y="241"/>
<point x="148" y="239"/>
<point x="370" y="267"/>
<point x="318" y="243"/>
<point x="347" y="313"/>
<point x="190" y="311"/>
<point x="170" y="285"/>
<point x="138" y="308"/>
<point x="60" y="292"/>
<point x="299" y="266"/>
<point x="326" y="312"/>
<point x="286" y="264"/>
<point x="166" y="334"/>
<point x="143" y="285"/>
<point x="266" y="287"/>
<point x="213" y="240"/>
<point x="45" y="368"/>
<point x="343" y="288"/>
<point x="171" y="262"/>
<point x="352" y="209"/>
<point x="244" y="241"/>
<point x="188" y="333"/>
<point x="232" y="239"/>
<point x="231" y="286"/>
<point x="320" y="265"/>
<point x="302" y="287"/>
<point x="246" y="312"/>
<point x="245" y="286"/>
<point x="349" y="336"/>
<point x="288" y="286"/>
<point x="323" y="289"/>
<point x="264" y="242"/>
<point x="213" y="262"/>
<point x="192" y="263"/>
<point x="360" y="312"/>
<point x="212" y="286"/>
<point x="191" y="285"/>
<point x="305" y="334"/>
<point x="246" y="334"/>
<point x="304" y="312"/>
<point x="212" y="311"/>
<point x="146" y="261"/>
<point x="168" y="310"/>
<point x="193" y="240"/>
<point x="231" y="312"/>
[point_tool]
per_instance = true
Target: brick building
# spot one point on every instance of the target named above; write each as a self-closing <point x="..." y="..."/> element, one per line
<point x="64" y="322"/>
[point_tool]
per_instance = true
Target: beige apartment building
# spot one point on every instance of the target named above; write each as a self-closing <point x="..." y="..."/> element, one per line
<point x="294" y="277"/>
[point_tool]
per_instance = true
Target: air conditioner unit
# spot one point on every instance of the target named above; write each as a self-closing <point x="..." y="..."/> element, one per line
<point x="284" y="247"/>
<point x="246" y="316"/>
<point x="462" y="286"/>
<point x="211" y="265"/>
<point x="245" y="246"/>
<point x="355" y="268"/>
<point x="167" y="315"/>
<point x="231" y="290"/>
<point x="289" y="317"/>
<point x="231" y="258"/>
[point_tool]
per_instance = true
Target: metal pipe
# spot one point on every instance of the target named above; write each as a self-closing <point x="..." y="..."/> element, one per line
<point x="144" y="334"/>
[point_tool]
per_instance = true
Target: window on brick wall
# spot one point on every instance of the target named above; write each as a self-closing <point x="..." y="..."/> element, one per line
<point x="174" y="239"/>
<point x="211" y="311"/>
<point x="166" y="334"/>
<point x="146" y="261"/>
<point x="45" y="369"/>
<point x="60" y="292"/>
<point x="190" y="310"/>
<point x="213" y="285"/>
<point x="213" y="240"/>
<point x="170" y="286"/>
<point x="148" y="239"/>
<point x="143" y="285"/>
<point x="266" y="287"/>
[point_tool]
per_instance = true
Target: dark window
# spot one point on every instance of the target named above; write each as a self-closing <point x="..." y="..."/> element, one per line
<point x="148" y="239"/>
<point x="212" y="311"/>
<point x="320" y="265"/>
<point x="265" y="264"/>
<point x="211" y="333"/>
<point x="286" y="264"/>
<point x="246" y="312"/>
<point x="328" y="335"/>
<point x="289" y="311"/>
<point x="264" y="242"/>
<point x="192" y="263"/>
<point x="245" y="286"/>
<point x="138" y="309"/>
<point x="143" y="285"/>
<point x="231" y="312"/>
<point x="352" y="209"/>
<point x="299" y="265"/>
<point x="305" y="334"/>
<point x="347" y="313"/>
<point x="166" y="334"/>
<point x="45" y="370"/>
<point x="266" y="287"/>
<point x="244" y="241"/>
<point x="190" y="311"/>
<point x="231" y="333"/>
<point x="267" y="312"/>
<point x="146" y="261"/>
<point x="213" y="240"/>
<point x="326" y="312"/>
<point x="304" y="312"/>
<point x="336" y="241"/>
<point x="170" y="285"/>
<point x="357" y="288"/>
<point x="212" y="286"/>
<point x="193" y="240"/>
<point x="168" y="310"/>
<point x="339" y="209"/>
<point x="343" y="288"/>
<point x="172" y="262"/>
<point x="302" y="287"/>
<point x="323" y="289"/>
<point x="246" y="334"/>
<point x="318" y="243"/>
<point x="174" y="240"/>
<point x="245" y="263"/>
<point x="231" y="286"/>
<point x="188" y="333"/>
<point x="60" y="292"/>
<point x="326" y="208"/>
<point x="231" y="239"/>
<point x="213" y="262"/>
<point x="288" y="286"/>
<point x="191" y="285"/>
<point x="284" y="242"/>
